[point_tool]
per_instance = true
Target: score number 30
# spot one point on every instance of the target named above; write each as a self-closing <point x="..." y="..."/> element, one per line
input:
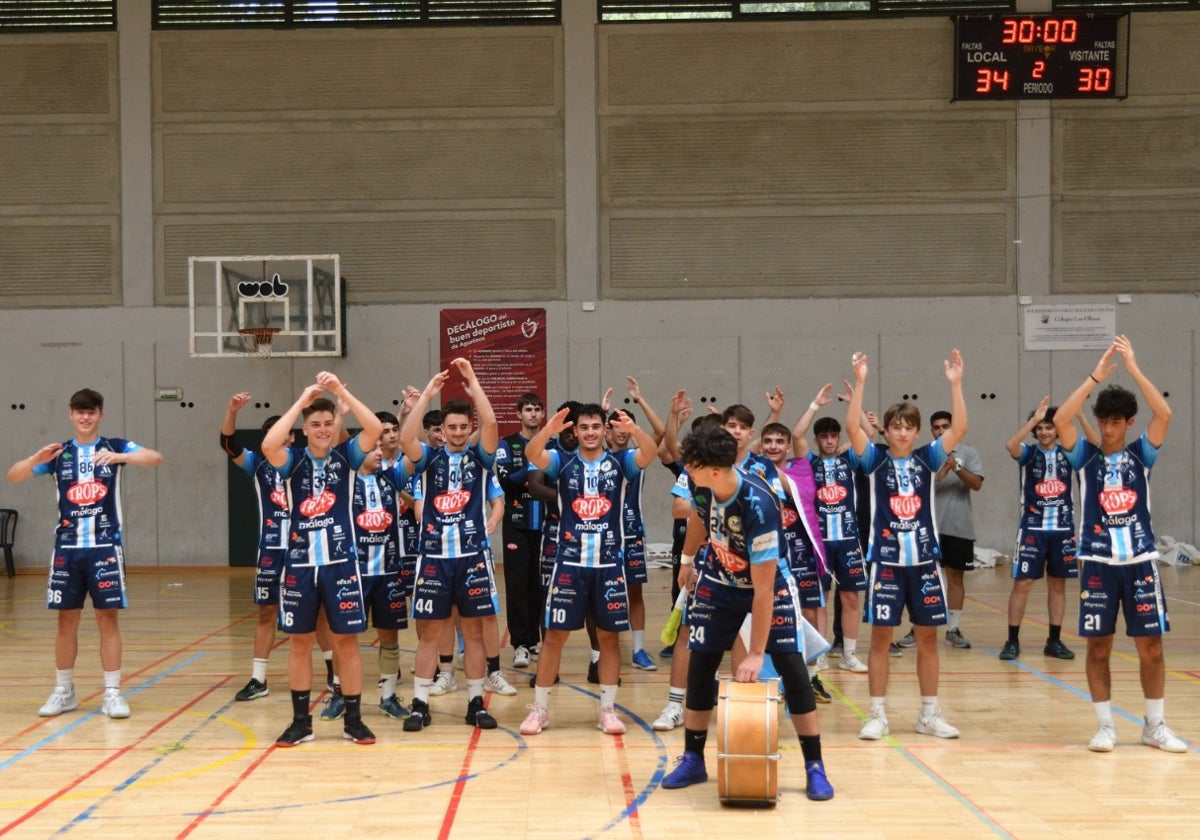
<point x="1091" y="79"/>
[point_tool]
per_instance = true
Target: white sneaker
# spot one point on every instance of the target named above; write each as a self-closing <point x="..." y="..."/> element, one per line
<point x="671" y="717"/>
<point x="114" y="705"/>
<point x="609" y="723"/>
<point x="60" y="700"/>
<point x="535" y="652"/>
<point x="1160" y="736"/>
<point x="875" y="727"/>
<point x="445" y="682"/>
<point x="822" y="662"/>
<point x="537" y="719"/>
<point x="496" y="683"/>
<point x="1105" y="739"/>
<point x="851" y="662"/>
<point x="521" y="657"/>
<point x="936" y="726"/>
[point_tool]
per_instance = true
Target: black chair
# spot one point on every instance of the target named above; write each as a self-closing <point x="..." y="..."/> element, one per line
<point x="8" y="533"/>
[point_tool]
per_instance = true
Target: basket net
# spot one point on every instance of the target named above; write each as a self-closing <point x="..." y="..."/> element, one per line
<point x="257" y="341"/>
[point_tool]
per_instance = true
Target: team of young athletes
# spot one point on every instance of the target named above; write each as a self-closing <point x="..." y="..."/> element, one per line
<point x="381" y="526"/>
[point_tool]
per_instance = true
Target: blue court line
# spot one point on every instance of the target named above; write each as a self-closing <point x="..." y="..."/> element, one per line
<point x="87" y="717"/>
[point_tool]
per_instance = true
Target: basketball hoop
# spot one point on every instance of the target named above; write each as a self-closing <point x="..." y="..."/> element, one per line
<point x="257" y="341"/>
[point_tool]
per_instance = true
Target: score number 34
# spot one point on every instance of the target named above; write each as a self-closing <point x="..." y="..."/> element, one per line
<point x="1091" y="79"/>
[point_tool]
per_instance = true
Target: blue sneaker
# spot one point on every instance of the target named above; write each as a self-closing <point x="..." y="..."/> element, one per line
<point x="335" y="707"/>
<point x="819" y="788"/>
<point x="393" y="708"/>
<point x="690" y="770"/>
<point x="642" y="661"/>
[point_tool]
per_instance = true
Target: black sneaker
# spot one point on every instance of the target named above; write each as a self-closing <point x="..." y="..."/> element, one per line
<point x="300" y="731"/>
<point x="1010" y="651"/>
<point x="253" y="690"/>
<point x="478" y="716"/>
<point x="820" y="692"/>
<point x="593" y="675"/>
<point x="533" y="680"/>
<point x="419" y="717"/>
<point x="358" y="732"/>
<point x="1058" y="650"/>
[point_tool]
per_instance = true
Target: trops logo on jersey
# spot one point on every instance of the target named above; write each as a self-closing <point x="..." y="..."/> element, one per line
<point x="86" y="492"/>
<point x="831" y="494"/>
<point x="279" y="498"/>
<point x="1050" y="488"/>
<point x="1118" y="501"/>
<point x="728" y="560"/>
<point x="452" y="502"/>
<point x="905" y="507"/>
<point x="591" y="507"/>
<point x="317" y="505"/>
<point x="373" y="521"/>
<point x="789" y="517"/>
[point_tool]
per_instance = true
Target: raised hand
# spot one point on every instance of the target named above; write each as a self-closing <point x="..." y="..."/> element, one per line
<point x="859" y="363"/>
<point x="239" y="401"/>
<point x="954" y="367"/>
<point x="776" y="400"/>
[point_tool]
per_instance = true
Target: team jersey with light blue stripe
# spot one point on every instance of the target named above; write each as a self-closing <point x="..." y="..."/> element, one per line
<point x="376" y="514"/>
<point x="89" y="495"/>
<point x="456" y="490"/>
<point x="1045" y="489"/>
<point x="322" y="493"/>
<point x="903" y="513"/>
<point x="836" y="499"/>
<point x="274" y="506"/>
<point x="1114" y="491"/>
<point x="590" y="505"/>
<point x="743" y="531"/>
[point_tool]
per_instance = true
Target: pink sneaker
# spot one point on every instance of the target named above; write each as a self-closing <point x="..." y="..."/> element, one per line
<point x="537" y="719"/>
<point x="609" y="723"/>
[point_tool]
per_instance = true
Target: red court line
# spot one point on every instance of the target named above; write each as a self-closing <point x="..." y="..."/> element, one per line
<point x="138" y="672"/>
<point x="631" y="796"/>
<point x="461" y="785"/>
<point x="97" y="768"/>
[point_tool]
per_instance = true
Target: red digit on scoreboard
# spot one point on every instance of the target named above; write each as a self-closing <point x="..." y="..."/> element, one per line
<point x="1039" y="69"/>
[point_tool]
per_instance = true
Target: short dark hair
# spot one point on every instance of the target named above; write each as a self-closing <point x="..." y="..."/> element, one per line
<point x="709" y="446"/>
<point x="432" y="418"/>
<point x="529" y="398"/>
<point x="904" y="412"/>
<point x="456" y="407"/>
<point x="591" y="410"/>
<point x="940" y="415"/>
<point x="1115" y="402"/>
<point x="616" y="416"/>
<point x="270" y="421"/>
<point x="319" y="404"/>
<point x="85" y="399"/>
<point x="827" y="426"/>
<point x="713" y="420"/>
<point x="738" y="412"/>
<point x="387" y="417"/>
<point x="775" y="429"/>
<point x="1049" y="418"/>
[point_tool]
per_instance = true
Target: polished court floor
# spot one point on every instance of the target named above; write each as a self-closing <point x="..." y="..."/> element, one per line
<point x="191" y="761"/>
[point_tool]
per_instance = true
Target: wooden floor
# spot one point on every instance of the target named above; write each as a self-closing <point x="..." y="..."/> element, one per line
<point x="192" y="762"/>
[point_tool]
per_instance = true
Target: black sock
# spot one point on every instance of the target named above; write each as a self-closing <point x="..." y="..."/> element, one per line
<point x="445" y="660"/>
<point x="353" y="708"/>
<point x="336" y="688"/>
<point x="694" y="740"/>
<point x="328" y="672"/>
<point x="810" y="745"/>
<point x="1014" y="631"/>
<point x="300" y="703"/>
<point x="1055" y="632"/>
<point x="493" y="664"/>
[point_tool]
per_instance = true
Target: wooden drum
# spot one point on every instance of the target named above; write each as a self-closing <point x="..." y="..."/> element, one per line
<point x="748" y="742"/>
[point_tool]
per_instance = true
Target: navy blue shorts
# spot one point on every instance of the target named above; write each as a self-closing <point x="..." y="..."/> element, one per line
<point x="1134" y="588"/>
<point x="76" y="573"/>
<point x="445" y="582"/>
<point x="892" y="588"/>
<point x="336" y="586"/>
<point x="576" y="590"/>
<point x="384" y="601"/>
<point x="634" y="552"/>
<point x="716" y="613"/>
<point x="1041" y="553"/>
<point x="845" y="560"/>
<point x="267" y="573"/>
<point x="408" y="574"/>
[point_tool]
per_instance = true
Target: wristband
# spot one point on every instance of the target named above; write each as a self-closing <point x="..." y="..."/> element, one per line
<point x="231" y="447"/>
<point x="687" y="559"/>
<point x="813" y="405"/>
<point x="1094" y="379"/>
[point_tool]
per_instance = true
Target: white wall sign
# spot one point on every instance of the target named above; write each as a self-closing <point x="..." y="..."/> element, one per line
<point x="1087" y="326"/>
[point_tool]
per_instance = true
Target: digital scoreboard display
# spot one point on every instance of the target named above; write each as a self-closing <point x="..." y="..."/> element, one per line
<point x="1026" y="56"/>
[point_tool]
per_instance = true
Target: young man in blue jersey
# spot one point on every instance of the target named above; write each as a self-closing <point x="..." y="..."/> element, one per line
<point x="1116" y="546"/>
<point x="588" y="572"/>
<point x="454" y="568"/>
<point x="1046" y="531"/>
<point x="903" y="553"/>
<point x="747" y="574"/>
<point x="89" y="558"/>
<point x="321" y="570"/>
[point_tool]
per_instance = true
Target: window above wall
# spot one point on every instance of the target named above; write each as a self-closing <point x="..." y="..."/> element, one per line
<point x="618" y="11"/>
<point x="191" y="14"/>
<point x="60" y="15"/>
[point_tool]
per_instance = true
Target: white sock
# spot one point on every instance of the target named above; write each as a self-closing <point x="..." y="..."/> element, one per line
<point x="595" y="655"/>
<point x="878" y="707"/>
<point x="1154" y="711"/>
<point x="421" y="686"/>
<point x="1104" y="712"/>
<point x="387" y="685"/>
<point x="541" y="696"/>
<point x="812" y="672"/>
<point x="65" y="678"/>
<point x="928" y="706"/>
<point x="258" y="670"/>
<point x="849" y="646"/>
<point x="639" y="640"/>
<point x="112" y="680"/>
<point x="474" y="689"/>
<point x="337" y="681"/>
<point x="955" y="616"/>
<point x="608" y="695"/>
<point x="675" y="695"/>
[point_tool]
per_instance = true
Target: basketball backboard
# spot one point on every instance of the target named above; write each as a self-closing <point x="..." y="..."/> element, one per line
<point x="300" y="296"/>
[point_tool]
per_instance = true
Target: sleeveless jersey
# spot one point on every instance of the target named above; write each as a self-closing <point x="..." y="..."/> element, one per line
<point x="903" y="514"/>
<point x="1045" y="489"/>
<point x="376" y="517"/>
<point x="743" y="531"/>
<point x="274" y="506"/>
<point x="454" y="485"/>
<point x="89" y="496"/>
<point x="322" y="493"/>
<point x="836" y="498"/>
<point x="590" y="505"/>
<point x="1115" y="493"/>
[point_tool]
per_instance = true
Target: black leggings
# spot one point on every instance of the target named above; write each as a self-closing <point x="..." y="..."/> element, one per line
<point x="702" y="671"/>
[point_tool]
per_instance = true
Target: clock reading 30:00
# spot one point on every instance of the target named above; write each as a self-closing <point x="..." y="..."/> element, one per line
<point x="1036" y="57"/>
